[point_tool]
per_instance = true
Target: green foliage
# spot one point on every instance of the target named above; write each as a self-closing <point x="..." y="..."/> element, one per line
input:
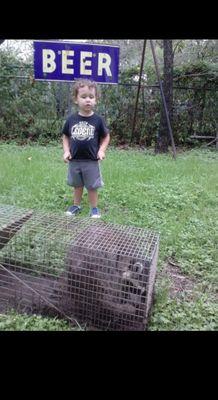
<point x="27" y="109"/>
<point x="183" y="315"/>
<point x="15" y="322"/>
<point x="194" y="109"/>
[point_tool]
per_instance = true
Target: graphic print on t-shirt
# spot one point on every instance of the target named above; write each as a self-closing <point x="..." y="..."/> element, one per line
<point x="82" y="131"/>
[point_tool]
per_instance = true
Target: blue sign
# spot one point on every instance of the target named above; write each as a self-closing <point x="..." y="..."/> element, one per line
<point x="66" y="61"/>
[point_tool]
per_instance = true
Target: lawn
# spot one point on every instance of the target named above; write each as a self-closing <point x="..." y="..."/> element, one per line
<point x="177" y="198"/>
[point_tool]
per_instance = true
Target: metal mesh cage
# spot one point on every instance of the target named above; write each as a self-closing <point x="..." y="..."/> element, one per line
<point x="94" y="273"/>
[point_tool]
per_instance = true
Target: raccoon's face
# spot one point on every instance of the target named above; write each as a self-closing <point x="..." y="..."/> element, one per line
<point x="134" y="271"/>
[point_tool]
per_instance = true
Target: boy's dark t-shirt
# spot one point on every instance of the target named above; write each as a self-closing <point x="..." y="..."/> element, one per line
<point x="85" y="134"/>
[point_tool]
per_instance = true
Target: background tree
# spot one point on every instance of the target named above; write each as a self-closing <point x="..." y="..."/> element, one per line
<point x="163" y="134"/>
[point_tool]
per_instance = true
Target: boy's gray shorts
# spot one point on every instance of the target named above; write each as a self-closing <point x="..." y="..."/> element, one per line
<point x="84" y="173"/>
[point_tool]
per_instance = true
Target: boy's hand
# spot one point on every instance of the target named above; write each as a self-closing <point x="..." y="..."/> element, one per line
<point x="67" y="156"/>
<point x="101" y="155"/>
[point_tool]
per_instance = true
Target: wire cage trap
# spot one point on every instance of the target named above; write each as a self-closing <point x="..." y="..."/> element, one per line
<point x="97" y="274"/>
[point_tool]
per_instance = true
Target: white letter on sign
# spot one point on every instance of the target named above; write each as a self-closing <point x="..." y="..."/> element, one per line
<point x="85" y="63"/>
<point x="66" y="62"/>
<point x="104" y="61"/>
<point x="48" y="63"/>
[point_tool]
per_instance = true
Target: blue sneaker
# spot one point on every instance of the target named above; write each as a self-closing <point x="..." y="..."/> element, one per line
<point x="95" y="213"/>
<point x="73" y="210"/>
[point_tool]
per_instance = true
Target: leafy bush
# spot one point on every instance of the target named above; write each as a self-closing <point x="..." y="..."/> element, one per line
<point x="194" y="109"/>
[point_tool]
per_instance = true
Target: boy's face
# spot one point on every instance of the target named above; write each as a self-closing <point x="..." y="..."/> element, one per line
<point x="86" y="99"/>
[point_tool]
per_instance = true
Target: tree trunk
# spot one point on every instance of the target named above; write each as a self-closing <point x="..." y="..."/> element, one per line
<point x="163" y="138"/>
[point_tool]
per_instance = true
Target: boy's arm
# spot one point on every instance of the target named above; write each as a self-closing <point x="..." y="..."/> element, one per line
<point x="104" y="142"/>
<point x="66" y="147"/>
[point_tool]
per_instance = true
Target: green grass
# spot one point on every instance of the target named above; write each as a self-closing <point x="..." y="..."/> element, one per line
<point x="178" y="199"/>
<point x="15" y="322"/>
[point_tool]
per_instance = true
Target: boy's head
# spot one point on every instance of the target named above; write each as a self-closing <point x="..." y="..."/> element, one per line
<point x="85" y="95"/>
<point x="80" y="83"/>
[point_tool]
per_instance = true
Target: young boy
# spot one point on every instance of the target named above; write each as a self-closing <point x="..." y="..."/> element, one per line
<point x="85" y="139"/>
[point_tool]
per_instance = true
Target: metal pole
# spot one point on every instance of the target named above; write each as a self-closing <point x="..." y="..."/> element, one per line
<point x="139" y="86"/>
<point x="164" y="100"/>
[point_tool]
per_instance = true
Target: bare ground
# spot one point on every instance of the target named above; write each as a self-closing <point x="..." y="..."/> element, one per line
<point x="179" y="283"/>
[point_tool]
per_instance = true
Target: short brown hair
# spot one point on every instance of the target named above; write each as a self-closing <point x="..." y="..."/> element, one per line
<point x="79" y="83"/>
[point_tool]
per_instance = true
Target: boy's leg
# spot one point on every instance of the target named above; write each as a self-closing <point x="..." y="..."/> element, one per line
<point x="92" y="181"/>
<point x="77" y="197"/>
<point x="75" y="179"/>
<point x="78" y="192"/>
<point x="93" y="200"/>
<point x="93" y="197"/>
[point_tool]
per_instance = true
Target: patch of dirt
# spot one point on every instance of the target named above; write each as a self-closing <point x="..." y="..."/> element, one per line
<point x="179" y="283"/>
